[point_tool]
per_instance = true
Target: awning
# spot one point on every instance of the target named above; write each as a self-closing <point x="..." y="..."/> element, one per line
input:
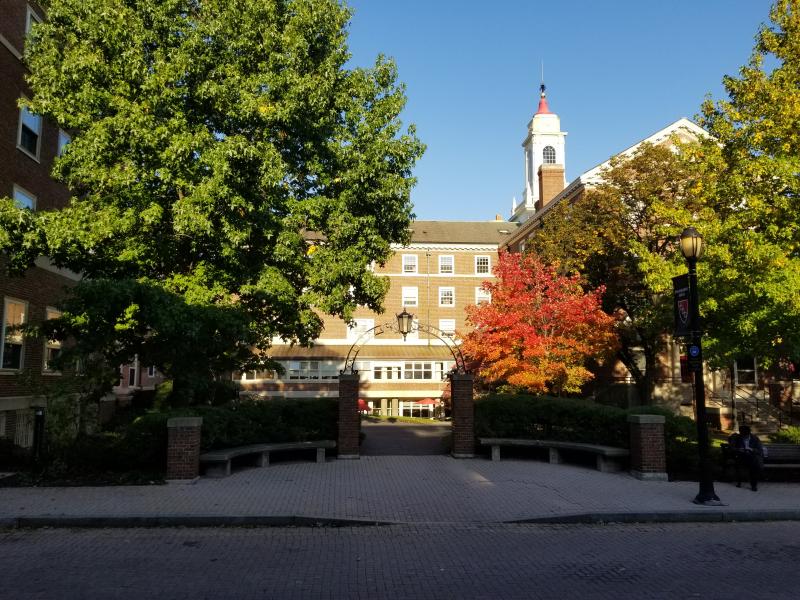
<point x="427" y="401"/>
<point x="362" y="404"/>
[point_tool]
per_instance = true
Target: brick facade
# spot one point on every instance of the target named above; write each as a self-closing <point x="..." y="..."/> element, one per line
<point x="349" y="417"/>
<point x="463" y="415"/>
<point x="183" y="447"/>
<point x="551" y="182"/>
<point x="648" y="453"/>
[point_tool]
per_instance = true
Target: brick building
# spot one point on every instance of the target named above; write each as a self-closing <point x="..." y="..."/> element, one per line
<point x="28" y="146"/>
<point x="435" y="277"/>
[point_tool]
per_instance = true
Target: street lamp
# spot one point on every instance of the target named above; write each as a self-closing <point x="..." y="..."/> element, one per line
<point x="692" y="249"/>
<point x="405" y="320"/>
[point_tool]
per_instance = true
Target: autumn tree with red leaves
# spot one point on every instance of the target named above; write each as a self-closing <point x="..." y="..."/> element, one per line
<point x="539" y="329"/>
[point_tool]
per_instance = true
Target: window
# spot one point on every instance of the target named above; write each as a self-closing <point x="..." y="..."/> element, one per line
<point x="549" y="155"/>
<point x="151" y="371"/>
<point x="446" y="265"/>
<point x="52" y="348"/>
<point x="482" y="295"/>
<point x="312" y="369"/>
<point x="447" y="296"/>
<point x="382" y="372"/>
<point x="14" y="315"/>
<point x="746" y="369"/>
<point x="30" y="130"/>
<point x="131" y="376"/>
<point x="358" y="327"/>
<point x="31" y="19"/>
<point x="482" y="265"/>
<point x="447" y="326"/>
<point x="409" y="263"/>
<point x="63" y="139"/>
<point x="23" y="198"/>
<point x="423" y="370"/>
<point x="410" y="296"/>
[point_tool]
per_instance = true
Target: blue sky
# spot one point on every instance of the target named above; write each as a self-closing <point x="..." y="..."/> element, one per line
<point x="616" y="71"/>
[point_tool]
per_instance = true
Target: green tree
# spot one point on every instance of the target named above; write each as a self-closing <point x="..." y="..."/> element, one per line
<point x="752" y="283"/>
<point x="622" y="234"/>
<point x="210" y="140"/>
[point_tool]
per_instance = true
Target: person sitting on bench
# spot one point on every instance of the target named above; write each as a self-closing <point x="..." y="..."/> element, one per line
<point x="749" y="453"/>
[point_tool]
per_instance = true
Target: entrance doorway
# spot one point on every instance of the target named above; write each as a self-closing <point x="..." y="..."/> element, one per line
<point x="397" y="438"/>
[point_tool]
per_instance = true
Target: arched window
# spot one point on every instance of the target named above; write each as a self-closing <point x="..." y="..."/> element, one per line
<point x="549" y="155"/>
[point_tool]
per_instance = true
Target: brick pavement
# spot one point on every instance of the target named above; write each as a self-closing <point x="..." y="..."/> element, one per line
<point x="434" y="562"/>
<point x="398" y="489"/>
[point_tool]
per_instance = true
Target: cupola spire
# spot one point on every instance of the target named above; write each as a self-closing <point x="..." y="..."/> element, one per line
<point x="543" y="109"/>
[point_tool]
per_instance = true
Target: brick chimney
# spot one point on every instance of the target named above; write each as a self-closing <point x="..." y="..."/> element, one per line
<point x="551" y="182"/>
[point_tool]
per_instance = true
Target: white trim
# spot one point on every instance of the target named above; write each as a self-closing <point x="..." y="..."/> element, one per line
<point x="10" y="47"/>
<point x="23" y="191"/>
<point x="439" y="275"/>
<point x="452" y="270"/>
<point x="453" y="291"/>
<point x="450" y="247"/>
<point x="20" y="147"/>
<point x="47" y="343"/>
<point x="43" y="262"/>
<point x="406" y="259"/>
<point x="482" y="295"/>
<point x="6" y="300"/>
<point x="409" y="291"/>
<point x="31" y="14"/>
<point x="445" y="329"/>
<point x="489" y="266"/>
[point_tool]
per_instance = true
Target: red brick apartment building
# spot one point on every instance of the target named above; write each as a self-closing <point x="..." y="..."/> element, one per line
<point x="28" y="146"/>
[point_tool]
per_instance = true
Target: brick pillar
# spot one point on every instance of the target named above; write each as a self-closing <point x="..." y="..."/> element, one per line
<point x="463" y="409"/>
<point x="648" y="453"/>
<point x="183" y="448"/>
<point x="349" y="419"/>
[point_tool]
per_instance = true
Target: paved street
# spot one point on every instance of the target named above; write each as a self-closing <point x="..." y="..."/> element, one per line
<point x="709" y="561"/>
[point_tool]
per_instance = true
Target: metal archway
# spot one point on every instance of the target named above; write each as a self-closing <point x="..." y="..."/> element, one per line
<point x="355" y="349"/>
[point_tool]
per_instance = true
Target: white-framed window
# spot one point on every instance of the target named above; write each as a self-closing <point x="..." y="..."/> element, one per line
<point x="410" y="296"/>
<point x="423" y="370"/>
<point x="359" y="326"/>
<point x="15" y="313"/>
<point x="409" y="263"/>
<point x="483" y="265"/>
<point x="151" y="371"/>
<point x="447" y="326"/>
<point x="30" y="133"/>
<point x="131" y="376"/>
<point x="31" y="19"/>
<point x="746" y="369"/>
<point x="482" y="295"/>
<point x="63" y="139"/>
<point x="446" y="264"/>
<point x="312" y="369"/>
<point x="23" y="198"/>
<point x="52" y="348"/>
<point x="386" y="371"/>
<point x="549" y="155"/>
<point x="447" y="296"/>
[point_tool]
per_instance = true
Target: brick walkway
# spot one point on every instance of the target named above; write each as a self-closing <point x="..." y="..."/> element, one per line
<point x="399" y="489"/>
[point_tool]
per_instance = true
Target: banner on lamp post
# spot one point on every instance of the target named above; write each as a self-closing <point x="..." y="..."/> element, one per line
<point x="683" y="308"/>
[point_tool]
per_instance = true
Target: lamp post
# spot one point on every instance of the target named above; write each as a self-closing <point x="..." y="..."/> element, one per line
<point x="692" y="249"/>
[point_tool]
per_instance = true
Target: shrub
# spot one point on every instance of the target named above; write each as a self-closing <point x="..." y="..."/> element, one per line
<point x="542" y="417"/>
<point x="788" y="435"/>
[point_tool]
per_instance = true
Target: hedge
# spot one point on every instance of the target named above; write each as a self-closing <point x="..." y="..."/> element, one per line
<point x="569" y="419"/>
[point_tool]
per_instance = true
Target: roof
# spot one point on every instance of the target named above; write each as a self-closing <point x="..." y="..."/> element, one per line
<point x="383" y="352"/>
<point x="461" y="232"/>
<point x="683" y="128"/>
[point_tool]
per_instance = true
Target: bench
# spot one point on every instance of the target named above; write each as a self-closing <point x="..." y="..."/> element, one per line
<point x="779" y="456"/>
<point x="609" y="458"/>
<point x="219" y="461"/>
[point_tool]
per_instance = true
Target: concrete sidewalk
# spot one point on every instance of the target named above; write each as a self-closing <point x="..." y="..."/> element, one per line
<point x="395" y="489"/>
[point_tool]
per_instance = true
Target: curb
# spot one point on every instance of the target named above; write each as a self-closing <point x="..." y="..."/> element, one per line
<point x="724" y="516"/>
<point x="133" y="521"/>
<point x="600" y="518"/>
